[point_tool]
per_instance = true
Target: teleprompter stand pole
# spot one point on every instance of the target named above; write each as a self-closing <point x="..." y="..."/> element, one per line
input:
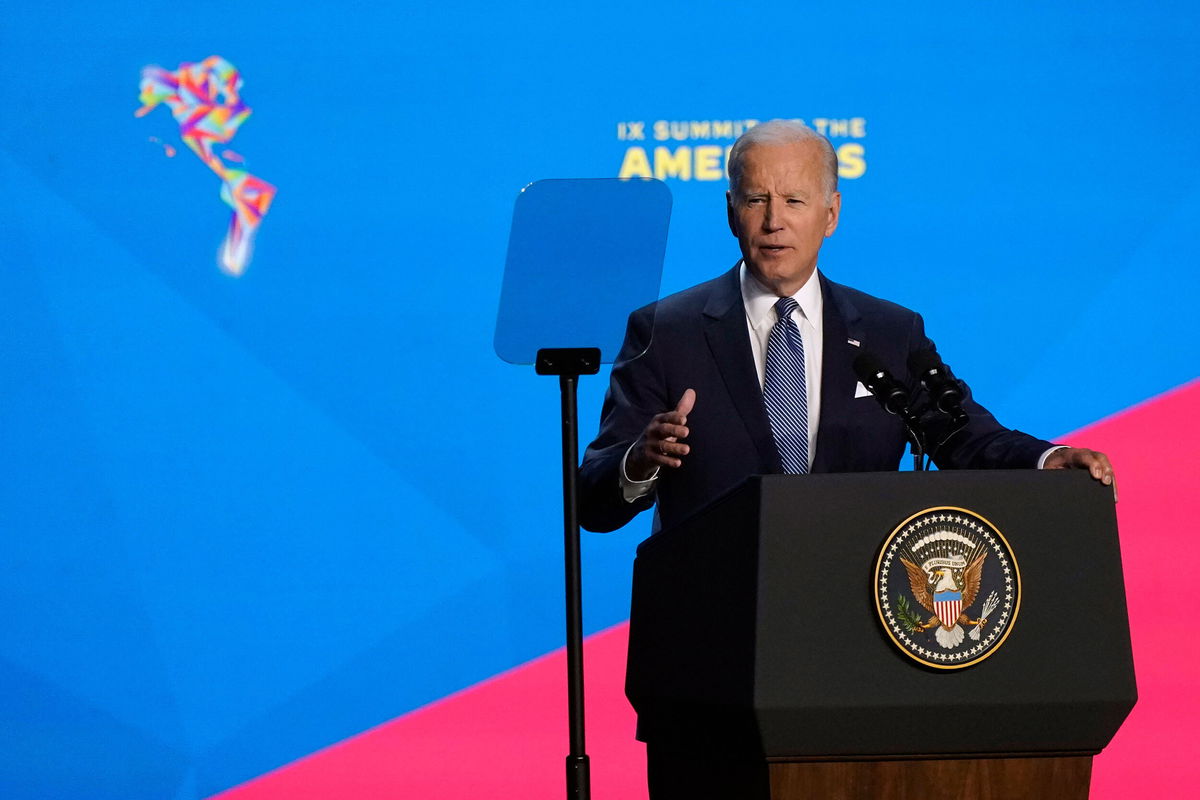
<point x="568" y="364"/>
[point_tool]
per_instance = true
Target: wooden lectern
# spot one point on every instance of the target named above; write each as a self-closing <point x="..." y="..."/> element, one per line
<point x="758" y="662"/>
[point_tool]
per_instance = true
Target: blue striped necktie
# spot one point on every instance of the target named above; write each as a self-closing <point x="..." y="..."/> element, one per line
<point x="784" y="393"/>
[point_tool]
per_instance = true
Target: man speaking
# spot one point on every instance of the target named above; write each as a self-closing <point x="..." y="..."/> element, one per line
<point x="752" y="372"/>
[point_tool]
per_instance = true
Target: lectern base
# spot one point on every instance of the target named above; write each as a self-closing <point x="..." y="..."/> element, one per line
<point x="1061" y="778"/>
<point x="679" y="776"/>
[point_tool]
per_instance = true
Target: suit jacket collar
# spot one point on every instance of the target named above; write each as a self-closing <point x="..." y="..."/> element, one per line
<point x="842" y="331"/>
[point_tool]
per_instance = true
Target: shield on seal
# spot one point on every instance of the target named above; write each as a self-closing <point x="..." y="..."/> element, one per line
<point x="947" y="606"/>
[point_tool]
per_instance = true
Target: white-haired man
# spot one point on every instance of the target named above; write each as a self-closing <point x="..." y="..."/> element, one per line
<point x="751" y="373"/>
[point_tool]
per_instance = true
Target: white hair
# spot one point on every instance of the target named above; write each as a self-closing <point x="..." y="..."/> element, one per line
<point x="782" y="131"/>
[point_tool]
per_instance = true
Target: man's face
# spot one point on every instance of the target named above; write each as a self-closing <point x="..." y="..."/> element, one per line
<point x="780" y="214"/>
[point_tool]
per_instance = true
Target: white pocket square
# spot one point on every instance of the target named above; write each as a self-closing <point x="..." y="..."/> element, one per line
<point x="861" y="391"/>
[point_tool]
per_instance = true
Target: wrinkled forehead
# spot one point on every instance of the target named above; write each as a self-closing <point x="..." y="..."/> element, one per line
<point x="785" y="168"/>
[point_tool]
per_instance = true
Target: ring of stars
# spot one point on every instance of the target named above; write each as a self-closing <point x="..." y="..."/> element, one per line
<point x="973" y="528"/>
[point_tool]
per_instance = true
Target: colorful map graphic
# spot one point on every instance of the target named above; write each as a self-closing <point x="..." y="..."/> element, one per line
<point x="205" y="100"/>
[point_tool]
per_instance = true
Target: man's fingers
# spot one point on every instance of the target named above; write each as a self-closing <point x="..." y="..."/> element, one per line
<point x="665" y="448"/>
<point x="686" y="402"/>
<point x="1095" y="462"/>
<point x="1102" y="470"/>
<point x="672" y="448"/>
<point x="668" y="431"/>
<point x="666" y="454"/>
<point x="661" y="445"/>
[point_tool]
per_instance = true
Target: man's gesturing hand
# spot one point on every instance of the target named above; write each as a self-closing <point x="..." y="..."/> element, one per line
<point x="659" y="445"/>
<point x="1093" y="461"/>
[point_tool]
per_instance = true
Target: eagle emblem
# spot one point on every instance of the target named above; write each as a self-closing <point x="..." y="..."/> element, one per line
<point x="947" y="587"/>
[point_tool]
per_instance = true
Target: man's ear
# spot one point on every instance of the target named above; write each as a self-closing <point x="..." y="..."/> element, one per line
<point x="733" y="227"/>
<point x="834" y="214"/>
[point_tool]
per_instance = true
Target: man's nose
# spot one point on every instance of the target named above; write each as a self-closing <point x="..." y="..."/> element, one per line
<point x="770" y="218"/>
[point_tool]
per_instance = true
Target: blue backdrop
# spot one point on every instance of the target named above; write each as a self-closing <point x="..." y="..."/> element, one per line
<point x="243" y="518"/>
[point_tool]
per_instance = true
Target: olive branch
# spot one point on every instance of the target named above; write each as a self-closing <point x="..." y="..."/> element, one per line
<point x="907" y="617"/>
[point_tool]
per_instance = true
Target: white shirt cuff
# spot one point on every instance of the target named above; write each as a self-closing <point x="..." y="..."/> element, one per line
<point x="633" y="490"/>
<point x="1045" y="455"/>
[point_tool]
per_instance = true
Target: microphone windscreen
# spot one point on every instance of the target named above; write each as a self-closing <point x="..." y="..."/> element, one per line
<point x="922" y="362"/>
<point x="867" y="366"/>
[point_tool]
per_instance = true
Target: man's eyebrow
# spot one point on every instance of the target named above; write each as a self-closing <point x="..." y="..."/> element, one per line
<point x="764" y="192"/>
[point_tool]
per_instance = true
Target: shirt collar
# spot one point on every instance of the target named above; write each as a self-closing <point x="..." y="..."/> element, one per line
<point x="760" y="301"/>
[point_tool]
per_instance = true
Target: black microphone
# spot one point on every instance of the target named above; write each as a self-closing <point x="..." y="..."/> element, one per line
<point x="945" y="392"/>
<point x="879" y="382"/>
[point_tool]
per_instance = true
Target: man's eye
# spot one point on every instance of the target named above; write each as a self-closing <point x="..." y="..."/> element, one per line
<point x="793" y="201"/>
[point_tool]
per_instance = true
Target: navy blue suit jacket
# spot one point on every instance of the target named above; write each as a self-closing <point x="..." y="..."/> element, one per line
<point x="701" y="341"/>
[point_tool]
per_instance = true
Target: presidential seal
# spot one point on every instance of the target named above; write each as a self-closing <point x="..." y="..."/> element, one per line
<point x="947" y="587"/>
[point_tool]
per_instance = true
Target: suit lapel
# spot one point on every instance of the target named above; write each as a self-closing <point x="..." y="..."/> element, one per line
<point x="841" y="323"/>
<point x="729" y="340"/>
